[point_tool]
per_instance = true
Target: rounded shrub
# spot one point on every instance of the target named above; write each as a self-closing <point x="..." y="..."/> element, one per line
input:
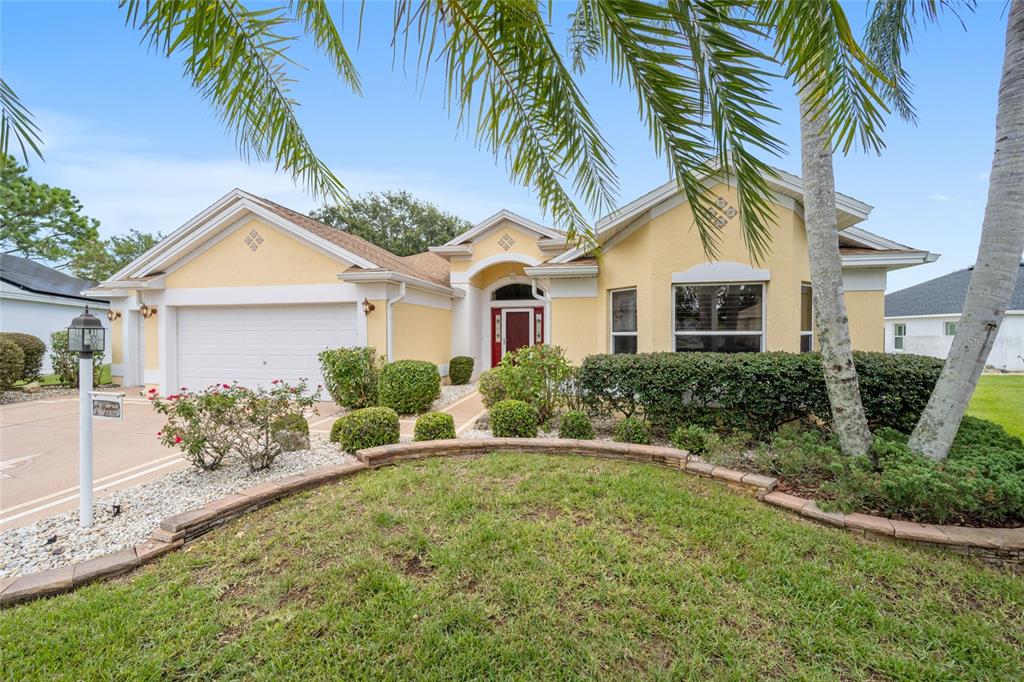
<point x="460" y="369"/>
<point x="34" y="350"/>
<point x="576" y="425"/>
<point x="632" y="430"/>
<point x="409" y="386"/>
<point x="351" y="375"/>
<point x="434" y="426"/>
<point x="291" y="431"/>
<point x="369" y="427"/>
<point x="12" y="363"/>
<point x="492" y="386"/>
<point x="514" y="419"/>
<point x="692" y="438"/>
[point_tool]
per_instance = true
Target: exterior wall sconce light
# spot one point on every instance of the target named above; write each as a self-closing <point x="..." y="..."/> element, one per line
<point x="368" y="307"/>
<point x="113" y="315"/>
<point x="147" y="311"/>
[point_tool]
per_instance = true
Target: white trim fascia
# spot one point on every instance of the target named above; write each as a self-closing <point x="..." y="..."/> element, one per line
<point x="936" y="315"/>
<point x="35" y="297"/>
<point x="398" y="278"/>
<point x="456" y="250"/>
<point x="492" y="221"/>
<point x="427" y="300"/>
<point x="726" y="272"/>
<point x="101" y="292"/>
<point x="889" y="260"/>
<point x="870" y="239"/>
<point x="568" y="271"/>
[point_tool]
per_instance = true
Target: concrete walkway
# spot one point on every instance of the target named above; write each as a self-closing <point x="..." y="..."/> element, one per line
<point x="465" y="411"/>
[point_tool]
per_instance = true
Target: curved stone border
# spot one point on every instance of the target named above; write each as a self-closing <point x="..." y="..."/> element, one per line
<point x="1001" y="545"/>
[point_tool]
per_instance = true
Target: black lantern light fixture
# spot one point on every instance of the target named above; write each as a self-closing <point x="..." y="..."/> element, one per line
<point x="86" y="334"/>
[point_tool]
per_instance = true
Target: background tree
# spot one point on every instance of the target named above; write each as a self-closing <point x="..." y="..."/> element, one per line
<point x="102" y="258"/>
<point x="396" y="221"/>
<point x="39" y="221"/>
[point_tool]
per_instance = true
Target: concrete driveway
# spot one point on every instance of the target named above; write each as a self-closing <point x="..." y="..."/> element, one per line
<point x="39" y="454"/>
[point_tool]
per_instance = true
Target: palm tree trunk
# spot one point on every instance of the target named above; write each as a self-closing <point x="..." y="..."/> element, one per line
<point x="830" y="321"/>
<point x="998" y="262"/>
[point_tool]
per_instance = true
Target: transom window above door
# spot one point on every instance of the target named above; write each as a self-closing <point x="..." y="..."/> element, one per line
<point x="514" y="292"/>
<point x="719" y="318"/>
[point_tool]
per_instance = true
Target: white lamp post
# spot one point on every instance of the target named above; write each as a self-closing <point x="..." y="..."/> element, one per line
<point x="85" y="336"/>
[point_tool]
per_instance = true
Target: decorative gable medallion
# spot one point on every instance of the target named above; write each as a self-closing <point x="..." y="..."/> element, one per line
<point x="506" y="241"/>
<point x="253" y="240"/>
<point x="721" y="213"/>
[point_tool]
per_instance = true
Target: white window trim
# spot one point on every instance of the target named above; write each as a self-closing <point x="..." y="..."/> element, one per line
<point x="897" y="338"/>
<point x="611" y="326"/>
<point x="764" y="315"/>
<point x="945" y="327"/>
<point x="809" y="333"/>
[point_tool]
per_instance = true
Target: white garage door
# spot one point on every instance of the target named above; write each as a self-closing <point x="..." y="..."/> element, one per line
<point x="257" y="344"/>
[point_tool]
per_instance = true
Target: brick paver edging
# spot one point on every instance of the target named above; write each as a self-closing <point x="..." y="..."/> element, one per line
<point x="999" y="544"/>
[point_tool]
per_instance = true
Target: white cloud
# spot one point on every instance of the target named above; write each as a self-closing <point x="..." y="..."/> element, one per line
<point x="939" y="197"/>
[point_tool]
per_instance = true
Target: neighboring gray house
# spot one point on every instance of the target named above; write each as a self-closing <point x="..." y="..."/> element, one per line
<point x="922" y="319"/>
<point x="38" y="300"/>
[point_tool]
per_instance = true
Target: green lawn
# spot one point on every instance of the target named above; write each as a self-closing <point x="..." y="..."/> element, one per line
<point x="516" y="566"/>
<point x="1000" y="398"/>
<point x="52" y="380"/>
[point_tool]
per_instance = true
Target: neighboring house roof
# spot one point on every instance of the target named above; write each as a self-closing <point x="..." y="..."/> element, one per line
<point x="943" y="296"/>
<point x="39" y="279"/>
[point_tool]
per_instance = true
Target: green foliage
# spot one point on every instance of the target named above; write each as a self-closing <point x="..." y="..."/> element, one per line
<point x="803" y="456"/>
<point x="632" y="430"/>
<point x="369" y="427"/>
<point x="514" y="419"/>
<point x="754" y="392"/>
<point x="492" y="386"/>
<point x="396" y="221"/>
<point x="34" y="350"/>
<point x="291" y="431"/>
<point x="694" y="439"/>
<point x="351" y="375"/>
<point x="536" y="374"/>
<point x="38" y="221"/>
<point x="460" y="370"/>
<point x="409" y="386"/>
<point x="434" y="426"/>
<point x="65" y="362"/>
<point x="12" y="363"/>
<point x="981" y="433"/>
<point x="100" y="259"/>
<point x="16" y="125"/>
<point x="576" y="425"/>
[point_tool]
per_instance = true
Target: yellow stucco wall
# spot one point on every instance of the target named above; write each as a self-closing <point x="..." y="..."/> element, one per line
<point x="377" y="327"/>
<point x="422" y="332"/>
<point x="573" y="327"/>
<point x="489" y="276"/>
<point x="115" y="336"/>
<point x="866" y="312"/>
<point x="150" y="330"/>
<point x="280" y="260"/>
<point x="525" y="244"/>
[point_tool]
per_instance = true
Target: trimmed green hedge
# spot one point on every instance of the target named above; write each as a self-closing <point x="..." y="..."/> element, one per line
<point x="409" y="386"/>
<point x="492" y="386"/>
<point x="692" y="438"/>
<point x="34" y="350"/>
<point x="755" y="392"/>
<point x="369" y="427"/>
<point x="12" y="363"/>
<point x="514" y="419"/>
<point x="460" y="370"/>
<point x="434" y="426"/>
<point x="351" y="375"/>
<point x="632" y="430"/>
<point x="576" y="425"/>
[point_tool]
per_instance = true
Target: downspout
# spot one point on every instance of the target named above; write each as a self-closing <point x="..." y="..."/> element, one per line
<point x="390" y="317"/>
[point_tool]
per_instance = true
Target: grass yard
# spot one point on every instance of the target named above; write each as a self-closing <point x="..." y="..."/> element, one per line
<point x="517" y="566"/>
<point x="53" y="379"/>
<point x="1000" y="398"/>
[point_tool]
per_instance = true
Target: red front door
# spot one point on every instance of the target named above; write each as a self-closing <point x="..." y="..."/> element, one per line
<point x="517" y="330"/>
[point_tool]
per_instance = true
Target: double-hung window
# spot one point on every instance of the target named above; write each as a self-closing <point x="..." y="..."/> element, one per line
<point x="623" y="320"/>
<point x="806" y="319"/>
<point x="721" y="318"/>
<point x="899" y="330"/>
<point x="949" y="328"/>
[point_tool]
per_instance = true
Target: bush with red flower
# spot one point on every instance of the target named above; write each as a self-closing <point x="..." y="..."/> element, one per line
<point x="229" y="420"/>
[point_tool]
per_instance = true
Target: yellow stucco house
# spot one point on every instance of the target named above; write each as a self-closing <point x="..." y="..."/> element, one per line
<point x="249" y="290"/>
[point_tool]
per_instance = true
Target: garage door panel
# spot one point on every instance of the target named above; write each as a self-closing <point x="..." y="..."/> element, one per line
<point x="256" y="344"/>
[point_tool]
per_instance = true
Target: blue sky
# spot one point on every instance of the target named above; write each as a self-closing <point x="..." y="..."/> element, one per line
<point x="141" y="150"/>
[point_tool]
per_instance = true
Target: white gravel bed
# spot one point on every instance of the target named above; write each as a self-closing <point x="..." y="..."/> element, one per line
<point x="449" y="394"/>
<point x="29" y="549"/>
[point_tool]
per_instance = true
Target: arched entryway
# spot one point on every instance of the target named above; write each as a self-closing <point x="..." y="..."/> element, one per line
<point x="516" y="314"/>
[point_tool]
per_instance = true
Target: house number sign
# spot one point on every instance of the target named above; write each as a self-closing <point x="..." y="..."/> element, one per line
<point x="107" y="405"/>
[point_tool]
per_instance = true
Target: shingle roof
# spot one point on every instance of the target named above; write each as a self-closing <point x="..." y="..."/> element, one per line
<point x="943" y="296"/>
<point x="423" y="266"/>
<point x="31" y="276"/>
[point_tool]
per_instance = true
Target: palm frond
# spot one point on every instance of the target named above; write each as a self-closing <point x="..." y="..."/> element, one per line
<point x="16" y="125"/>
<point x="702" y="90"/>
<point x="236" y="58"/>
<point x="507" y="81"/>
<point x="889" y="34"/>
<point x="318" y="24"/>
